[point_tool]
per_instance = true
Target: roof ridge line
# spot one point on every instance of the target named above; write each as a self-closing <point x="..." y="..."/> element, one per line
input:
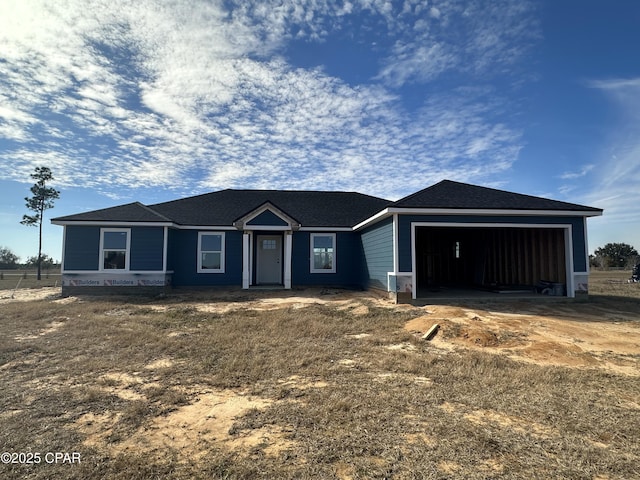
<point x="149" y="209"/>
<point x="420" y="191"/>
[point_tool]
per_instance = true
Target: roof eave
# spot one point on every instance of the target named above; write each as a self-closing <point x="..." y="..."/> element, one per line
<point x="387" y="212"/>
<point x="381" y="215"/>
<point x="109" y="223"/>
<point x="495" y="211"/>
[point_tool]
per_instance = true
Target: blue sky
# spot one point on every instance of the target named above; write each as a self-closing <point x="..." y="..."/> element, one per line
<point x="151" y="101"/>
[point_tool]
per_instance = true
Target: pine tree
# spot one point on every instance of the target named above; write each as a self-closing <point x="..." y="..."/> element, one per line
<point x="42" y="199"/>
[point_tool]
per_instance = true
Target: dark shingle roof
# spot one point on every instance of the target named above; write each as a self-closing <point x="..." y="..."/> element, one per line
<point x="318" y="208"/>
<point x="310" y="208"/>
<point x="131" y="212"/>
<point x="455" y="195"/>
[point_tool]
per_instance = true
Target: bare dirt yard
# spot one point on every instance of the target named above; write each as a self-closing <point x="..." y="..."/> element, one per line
<point x="319" y="383"/>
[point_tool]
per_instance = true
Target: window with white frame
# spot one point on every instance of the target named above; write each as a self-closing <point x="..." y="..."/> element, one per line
<point x="323" y="253"/>
<point x="114" y="248"/>
<point x="210" y="252"/>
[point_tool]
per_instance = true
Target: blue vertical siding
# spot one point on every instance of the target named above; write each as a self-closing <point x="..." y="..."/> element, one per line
<point x="183" y="252"/>
<point x="146" y="248"/>
<point x="580" y="253"/>
<point x="377" y="249"/>
<point x="348" y="261"/>
<point x="171" y="241"/>
<point x="81" y="248"/>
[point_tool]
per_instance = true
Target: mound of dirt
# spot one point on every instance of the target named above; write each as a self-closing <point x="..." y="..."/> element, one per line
<point x="573" y="335"/>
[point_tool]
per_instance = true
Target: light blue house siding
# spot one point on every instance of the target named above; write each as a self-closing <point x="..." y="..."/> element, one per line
<point x="577" y="227"/>
<point x="348" y="262"/>
<point x="377" y="252"/>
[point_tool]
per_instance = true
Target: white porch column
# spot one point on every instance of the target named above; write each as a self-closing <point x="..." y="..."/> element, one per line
<point x="165" y="249"/>
<point x="246" y="266"/>
<point x="287" y="259"/>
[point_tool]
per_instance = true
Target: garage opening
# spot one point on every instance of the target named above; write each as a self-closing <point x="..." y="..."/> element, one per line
<point x="495" y="259"/>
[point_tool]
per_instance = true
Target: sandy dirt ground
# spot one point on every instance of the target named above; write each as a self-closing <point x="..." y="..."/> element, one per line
<point x="571" y="334"/>
<point x="574" y="334"/>
<point x="568" y="334"/>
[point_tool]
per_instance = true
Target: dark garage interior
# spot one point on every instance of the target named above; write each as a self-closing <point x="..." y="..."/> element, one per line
<point x="501" y="260"/>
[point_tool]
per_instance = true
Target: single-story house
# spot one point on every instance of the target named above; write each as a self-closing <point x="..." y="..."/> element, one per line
<point x="450" y="235"/>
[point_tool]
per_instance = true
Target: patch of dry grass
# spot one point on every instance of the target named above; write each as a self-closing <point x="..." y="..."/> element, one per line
<point x="613" y="284"/>
<point x="11" y="279"/>
<point x="161" y="389"/>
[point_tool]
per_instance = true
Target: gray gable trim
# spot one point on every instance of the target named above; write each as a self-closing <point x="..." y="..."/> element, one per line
<point x="252" y="218"/>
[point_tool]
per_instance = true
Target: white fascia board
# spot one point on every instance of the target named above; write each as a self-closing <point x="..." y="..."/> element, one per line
<point x="375" y="218"/>
<point x="266" y="228"/>
<point x="205" y="227"/>
<point x="147" y="224"/>
<point x="471" y="211"/>
<point x="326" y="229"/>
<point x="500" y="212"/>
<point x="95" y="223"/>
<point x="492" y="225"/>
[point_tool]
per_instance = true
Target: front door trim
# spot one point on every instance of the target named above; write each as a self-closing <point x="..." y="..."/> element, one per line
<point x="269" y="259"/>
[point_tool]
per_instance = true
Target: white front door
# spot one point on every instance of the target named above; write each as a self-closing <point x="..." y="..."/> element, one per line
<point x="269" y="259"/>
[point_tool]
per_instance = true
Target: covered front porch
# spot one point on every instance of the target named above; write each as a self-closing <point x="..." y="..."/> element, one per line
<point x="266" y="259"/>
<point x="266" y="247"/>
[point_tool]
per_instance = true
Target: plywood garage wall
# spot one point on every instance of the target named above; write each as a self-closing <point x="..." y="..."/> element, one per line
<point x="524" y="256"/>
<point x="489" y="256"/>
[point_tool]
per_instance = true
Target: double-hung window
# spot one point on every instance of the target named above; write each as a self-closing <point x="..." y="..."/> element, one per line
<point x="323" y="253"/>
<point x="210" y="252"/>
<point x="115" y="244"/>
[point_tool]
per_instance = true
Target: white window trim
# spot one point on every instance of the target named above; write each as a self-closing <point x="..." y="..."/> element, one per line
<point x="222" y="253"/>
<point x="127" y="258"/>
<point x="311" y="256"/>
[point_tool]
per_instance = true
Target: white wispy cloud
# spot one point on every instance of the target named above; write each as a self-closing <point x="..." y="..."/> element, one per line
<point x="477" y="37"/>
<point x="196" y="95"/>
<point x="616" y="176"/>
<point x="579" y="174"/>
<point x="621" y="168"/>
